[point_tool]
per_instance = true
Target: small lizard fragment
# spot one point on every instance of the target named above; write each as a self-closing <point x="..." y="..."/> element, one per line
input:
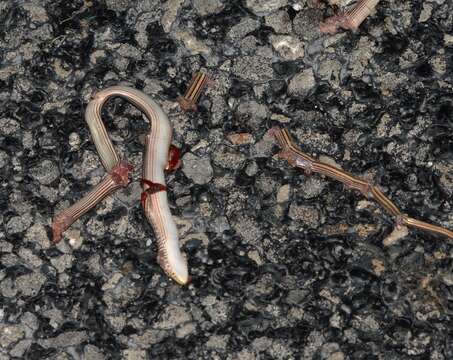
<point x="196" y="87"/>
<point x="349" y="20"/>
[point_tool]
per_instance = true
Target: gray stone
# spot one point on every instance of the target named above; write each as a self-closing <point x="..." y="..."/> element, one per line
<point x="4" y="159"/>
<point x="304" y="214"/>
<point x="283" y="194"/>
<point x="244" y="354"/>
<point x="91" y="352"/>
<point x="37" y="234"/>
<point x="49" y="193"/>
<point x="10" y="334"/>
<point x="149" y="338"/>
<point x="366" y="324"/>
<point x="30" y="284"/>
<point x="448" y="39"/>
<point x="90" y="162"/>
<point x="361" y="56"/>
<point x="417" y="345"/>
<point x="219" y="224"/>
<point x="171" y="11"/>
<point x="94" y="264"/>
<point x="251" y="169"/>
<point x="6" y="247"/>
<point x="74" y="141"/>
<point x="18" y="224"/>
<point x="96" y="227"/>
<point x="55" y="317"/>
<point x="248" y="229"/>
<point x="244" y="27"/>
<point x="116" y="322"/>
<point x="70" y="338"/>
<point x="304" y="24"/>
<point x="20" y="348"/>
<point x="9" y="126"/>
<point x="117" y="5"/>
<point x="330" y="70"/>
<point x="445" y="169"/>
<point x="288" y="47"/>
<point x="266" y="184"/>
<point x="281" y="350"/>
<point x="228" y="158"/>
<point x="129" y="195"/>
<point x="63" y="262"/>
<point x="36" y="12"/>
<point x="62" y="355"/>
<point x="296" y="297"/>
<point x="331" y="351"/>
<point x="217" y="310"/>
<point x="172" y="316"/>
<point x="426" y="12"/>
<point x="303" y="83"/>
<point x="208" y="7"/>
<point x="10" y="260"/>
<point x="134" y="354"/>
<point x="120" y="290"/>
<point x="256" y="67"/>
<point x="315" y="141"/>
<point x="30" y="258"/>
<point x="46" y="172"/>
<point x="7" y="288"/>
<point x="193" y="44"/>
<point x="280" y="22"/>
<point x="198" y="169"/>
<point x="185" y="330"/>
<point x="311" y="187"/>
<point x="251" y="113"/>
<point x="265" y="7"/>
<point x="218" y="342"/>
<point x="264" y="286"/>
<point x="314" y="341"/>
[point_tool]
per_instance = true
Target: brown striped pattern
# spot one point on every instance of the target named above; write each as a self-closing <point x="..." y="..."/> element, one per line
<point x="359" y="13"/>
<point x="101" y="138"/>
<point x="297" y="158"/>
<point x="155" y="160"/>
<point x="425" y="226"/>
<point x="351" y="19"/>
<point x="196" y="86"/>
<point x="67" y="217"/>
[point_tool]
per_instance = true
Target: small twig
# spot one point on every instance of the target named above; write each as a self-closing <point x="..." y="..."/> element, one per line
<point x="297" y="158"/>
<point x="349" y="20"/>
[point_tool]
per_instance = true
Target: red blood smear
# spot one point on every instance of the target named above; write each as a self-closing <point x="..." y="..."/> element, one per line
<point x="174" y="155"/>
<point x="152" y="189"/>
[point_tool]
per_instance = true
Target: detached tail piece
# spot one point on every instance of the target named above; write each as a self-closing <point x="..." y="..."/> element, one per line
<point x="349" y="20"/>
<point x="193" y="92"/>
<point x="297" y="158"/>
<point x="116" y="179"/>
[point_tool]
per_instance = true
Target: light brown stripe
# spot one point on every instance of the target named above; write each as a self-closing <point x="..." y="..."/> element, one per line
<point x="425" y="226"/>
<point x="195" y="90"/>
<point x="367" y="189"/>
<point x="385" y="201"/>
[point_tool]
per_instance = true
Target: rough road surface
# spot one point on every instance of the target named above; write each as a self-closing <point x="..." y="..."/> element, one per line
<point x="284" y="266"/>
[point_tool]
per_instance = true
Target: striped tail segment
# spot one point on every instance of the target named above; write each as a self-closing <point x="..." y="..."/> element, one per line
<point x="116" y="179"/>
<point x="297" y="158"/>
<point x="194" y="91"/>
